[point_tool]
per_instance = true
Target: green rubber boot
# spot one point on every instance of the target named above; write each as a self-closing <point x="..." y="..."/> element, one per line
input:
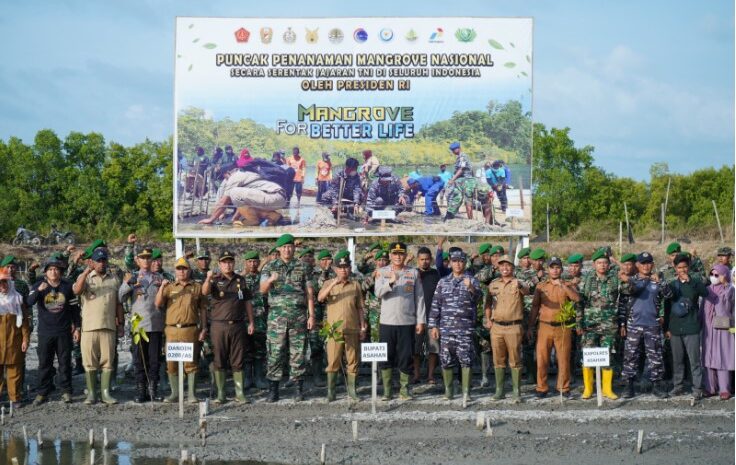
<point x="500" y="374"/>
<point x="331" y="382"/>
<point x="447" y="380"/>
<point x="516" y="385"/>
<point x="404" y="393"/>
<point x="387" y="388"/>
<point x="191" y="388"/>
<point x="90" y="377"/>
<point x="105" y="379"/>
<point x="484" y="363"/>
<point x="220" y="382"/>
<point x="174" y="384"/>
<point x="465" y="375"/>
<point x="352" y="393"/>
<point x="239" y="387"/>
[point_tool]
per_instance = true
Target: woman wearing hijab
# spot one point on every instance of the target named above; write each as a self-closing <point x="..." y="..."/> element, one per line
<point x="14" y="336"/>
<point x="718" y="342"/>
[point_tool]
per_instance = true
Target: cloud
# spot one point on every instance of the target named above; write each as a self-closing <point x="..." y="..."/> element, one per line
<point x="613" y="103"/>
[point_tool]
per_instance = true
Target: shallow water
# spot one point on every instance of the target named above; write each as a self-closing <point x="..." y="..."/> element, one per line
<point x="59" y="452"/>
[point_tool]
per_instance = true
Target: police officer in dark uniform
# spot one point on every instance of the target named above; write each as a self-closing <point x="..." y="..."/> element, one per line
<point x="230" y="307"/>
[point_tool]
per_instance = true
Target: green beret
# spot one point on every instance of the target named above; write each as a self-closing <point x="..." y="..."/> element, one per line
<point x="484" y="248"/>
<point x="324" y="253"/>
<point x="7" y="260"/>
<point x="600" y="253"/>
<point x="496" y="249"/>
<point x="307" y="251"/>
<point x="156" y="254"/>
<point x="537" y="254"/>
<point x="341" y="254"/>
<point x="380" y="254"/>
<point x="374" y="246"/>
<point x="285" y="239"/>
<point x="95" y="244"/>
<point x="524" y="252"/>
<point x="575" y="258"/>
<point x="251" y="255"/>
<point x="674" y="248"/>
<point x="628" y="257"/>
<point x="445" y="255"/>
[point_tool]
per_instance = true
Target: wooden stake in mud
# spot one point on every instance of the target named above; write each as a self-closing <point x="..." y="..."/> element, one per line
<point x="39" y="439"/>
<point x="25" y="436"/>
<point x="639" y="440"/>
<point x="355" y="430"/>
<point x="181" y="389"/>
<point x="104" y="438"/>
<point x="92" y="457"/>
<point x="489" y="430"/>
<point x="11" y="403"/>
<point x="322" y="455"/>
<point x="2" y="415"/>
<point x="480" y="420"/>
<point x="598" y="386"/>
<point x="91" y="437"/>
<point x="717" y="219"/>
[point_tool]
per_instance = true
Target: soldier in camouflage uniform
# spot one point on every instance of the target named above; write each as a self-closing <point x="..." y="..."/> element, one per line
<point x="385" y="193"/>
<point x="255" y="348"/>
<point x="203" y="266"/>
<point x="574" y="275"/>
<point x="372" y="304"/>
<point x="320" y="275"/>
<point x="597" y="322"/>
<point x="485" y="274"/>
<point x="290" y="291"/>
<point x="461" y="185"/>
<point x="367" y="264"/>
<point x="628" y="267"/>
<point x="157" y="265"/>
<point x="453" y="319"/>
<point x="642" y="320"/>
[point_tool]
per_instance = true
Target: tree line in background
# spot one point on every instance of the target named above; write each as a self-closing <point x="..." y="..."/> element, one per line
<point x="502" y="132"/>
<point x="99" y="189"/>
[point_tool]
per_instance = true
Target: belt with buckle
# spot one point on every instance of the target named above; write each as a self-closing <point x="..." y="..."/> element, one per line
<point x="229" y="322"/>
<point x="555" y="324"/>
<point x="507" y="323"/>
<point x="183" y="325"/>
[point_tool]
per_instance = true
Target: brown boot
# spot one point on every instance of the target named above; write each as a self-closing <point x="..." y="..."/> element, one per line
<point x="272" y="216"/>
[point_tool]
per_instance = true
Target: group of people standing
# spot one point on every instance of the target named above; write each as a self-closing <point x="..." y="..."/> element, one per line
<point x="263" y="322"/>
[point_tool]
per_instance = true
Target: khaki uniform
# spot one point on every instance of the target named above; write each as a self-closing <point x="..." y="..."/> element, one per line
<point x="547" y="300"/>
<point x="343" y="304"/>
<point x="12" y="357"/>
<point x="99" y="303"/>
<point x="507" y="314"/>
<point x="186" y="316"/>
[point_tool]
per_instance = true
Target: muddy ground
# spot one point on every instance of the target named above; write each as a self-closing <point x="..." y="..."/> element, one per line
<point x="427" y="430"/>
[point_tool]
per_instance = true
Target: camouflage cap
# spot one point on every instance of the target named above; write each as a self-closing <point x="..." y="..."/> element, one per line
<point x="725" y="251"/>
<point x="505" y="259"/>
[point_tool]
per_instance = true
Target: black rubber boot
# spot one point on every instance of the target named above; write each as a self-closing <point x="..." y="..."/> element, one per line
<point x="299" y="391"/>
<point x="273" y="391"/>
<point x="141" y="394"/>
<point x="629" y="392"/>
<point x="153" y="393"/>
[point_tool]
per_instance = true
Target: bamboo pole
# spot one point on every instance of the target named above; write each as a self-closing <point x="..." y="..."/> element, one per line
<point x="548" y="222"/>
<point x="667" y="195"/>
<point x="718" y="219"/>
<point x="662" y="208"/>
<point x="339" y="199"/>
<point x="628" y="226"/>
<point x="521" y="193"/>
<point x="620" y="238"/>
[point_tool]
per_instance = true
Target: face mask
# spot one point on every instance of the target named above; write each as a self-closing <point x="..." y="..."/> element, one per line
<point x="714" y="280"/>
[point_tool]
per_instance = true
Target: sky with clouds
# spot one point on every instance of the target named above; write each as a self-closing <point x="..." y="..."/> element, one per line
<point x="642" y="82"/>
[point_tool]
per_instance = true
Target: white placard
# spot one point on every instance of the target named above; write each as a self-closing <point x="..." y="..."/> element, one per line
<point x="179" y="352"/>
<point x="374" y="352"/>
<point x="383" y="215"/>
<point x="514" y="212"/>
<point x="596" y="357"/>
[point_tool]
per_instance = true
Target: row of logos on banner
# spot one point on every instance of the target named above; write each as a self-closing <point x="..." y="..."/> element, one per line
<point x="360" y="35"/>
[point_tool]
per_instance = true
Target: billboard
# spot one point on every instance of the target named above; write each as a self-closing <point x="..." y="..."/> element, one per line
<point x="352" y="126"/>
